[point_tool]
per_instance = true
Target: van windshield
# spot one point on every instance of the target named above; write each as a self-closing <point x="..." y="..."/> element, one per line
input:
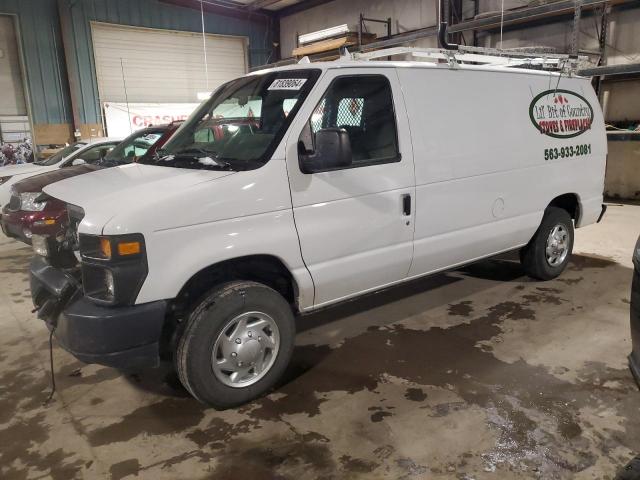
<point x="240" y="126"/>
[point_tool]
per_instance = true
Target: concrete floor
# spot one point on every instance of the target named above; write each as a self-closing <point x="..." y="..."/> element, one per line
<point x="480" y="373"/>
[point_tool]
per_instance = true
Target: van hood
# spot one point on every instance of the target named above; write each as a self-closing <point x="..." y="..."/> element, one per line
<point x="119" y="186"/>
<point x="106" y="193"/>
<point x="22" y="169"/>
<point x="37" y="182"/>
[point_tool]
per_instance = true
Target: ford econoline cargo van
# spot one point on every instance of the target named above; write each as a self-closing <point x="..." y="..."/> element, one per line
<point x="294" y="188"/>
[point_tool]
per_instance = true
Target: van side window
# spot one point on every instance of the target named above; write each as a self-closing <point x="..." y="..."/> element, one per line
<point x="363" y="106"/>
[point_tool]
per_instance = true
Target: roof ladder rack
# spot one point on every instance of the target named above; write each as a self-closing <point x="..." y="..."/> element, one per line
<point x="481" y="56"/>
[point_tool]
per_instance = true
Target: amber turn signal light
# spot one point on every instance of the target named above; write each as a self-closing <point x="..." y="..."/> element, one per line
<point x="128" y="248"/>
<point x="105" y="248"/>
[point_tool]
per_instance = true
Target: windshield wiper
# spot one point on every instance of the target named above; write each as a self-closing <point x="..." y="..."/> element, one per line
<point x="207" y="158"/>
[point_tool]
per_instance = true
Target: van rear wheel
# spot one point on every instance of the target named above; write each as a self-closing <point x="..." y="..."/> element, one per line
<point x="549" y="251"/>
<point x="236" y="344"/>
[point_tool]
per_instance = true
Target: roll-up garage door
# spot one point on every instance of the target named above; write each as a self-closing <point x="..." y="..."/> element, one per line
<point x="142" y="65"/>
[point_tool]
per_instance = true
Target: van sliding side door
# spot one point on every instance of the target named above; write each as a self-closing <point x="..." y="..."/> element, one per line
<point x="355" y="222"/>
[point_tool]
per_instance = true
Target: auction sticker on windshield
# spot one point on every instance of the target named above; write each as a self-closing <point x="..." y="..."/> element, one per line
<point x="287" y="84"/>
<point x="561" y="113"/>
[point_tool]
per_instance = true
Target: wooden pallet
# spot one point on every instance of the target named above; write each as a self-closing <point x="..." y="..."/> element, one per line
<point x="332" y="44"/>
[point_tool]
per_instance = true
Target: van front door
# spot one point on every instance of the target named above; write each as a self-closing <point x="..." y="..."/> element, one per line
<point x="355" y="222"/>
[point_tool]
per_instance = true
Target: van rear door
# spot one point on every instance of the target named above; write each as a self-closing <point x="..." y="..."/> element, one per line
<point x="355" y="223"/>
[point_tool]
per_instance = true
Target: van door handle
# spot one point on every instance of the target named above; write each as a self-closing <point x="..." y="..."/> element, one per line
<point x="406" y="204"/>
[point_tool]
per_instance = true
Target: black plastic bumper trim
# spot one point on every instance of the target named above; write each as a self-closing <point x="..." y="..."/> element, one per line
<point x="120" y="337"/>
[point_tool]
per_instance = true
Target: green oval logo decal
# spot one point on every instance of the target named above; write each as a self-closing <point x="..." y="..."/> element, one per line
<point x="561" y="113"/>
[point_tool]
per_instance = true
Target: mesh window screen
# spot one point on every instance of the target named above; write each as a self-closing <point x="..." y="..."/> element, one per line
<point x="317" y="117"/>
<point x="350" y="112"/>
<point x="363" y="106"/>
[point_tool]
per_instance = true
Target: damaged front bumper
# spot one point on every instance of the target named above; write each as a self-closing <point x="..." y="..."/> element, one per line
<point x="120" y="337"/>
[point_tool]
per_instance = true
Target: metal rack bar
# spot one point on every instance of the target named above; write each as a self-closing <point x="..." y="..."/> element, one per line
<point x="575" y="37"/>
<point x="626" y="69"/>
<point x="361" y="25"/>
<point x="563" y="7"/>
<point x="484" y="56"/>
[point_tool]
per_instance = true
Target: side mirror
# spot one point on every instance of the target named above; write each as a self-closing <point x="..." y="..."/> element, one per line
<point x="332" y="150"/>
<point x="78" y="161"/>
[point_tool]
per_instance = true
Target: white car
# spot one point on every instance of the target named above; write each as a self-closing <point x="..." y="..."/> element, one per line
<point x="75" y="154"/>
<point x="295" y="188"/>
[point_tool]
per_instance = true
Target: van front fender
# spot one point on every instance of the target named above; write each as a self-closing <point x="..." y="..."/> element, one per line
<point x="176" y="255"/>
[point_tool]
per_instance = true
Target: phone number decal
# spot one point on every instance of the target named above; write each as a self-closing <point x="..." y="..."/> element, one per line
<point x="567" y="152"/>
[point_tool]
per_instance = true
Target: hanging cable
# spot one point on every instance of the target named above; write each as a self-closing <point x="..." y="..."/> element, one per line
<point x="126" y="94"/>
<point x="53" y="377"/>
<point x="204" y="46"/>
<point x="501" y="21"/>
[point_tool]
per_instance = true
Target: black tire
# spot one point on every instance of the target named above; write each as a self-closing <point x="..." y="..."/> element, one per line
<point x="193" y="356"/>
<point x="534" y="256"/>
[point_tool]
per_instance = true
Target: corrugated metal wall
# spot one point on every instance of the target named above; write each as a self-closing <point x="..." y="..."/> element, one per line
<point x="43" y="57"/>
<point x="41" y="40"/>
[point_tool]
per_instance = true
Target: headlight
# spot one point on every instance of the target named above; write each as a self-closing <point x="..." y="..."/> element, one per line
<point x="113" y="267"/>
<point x="109" y="283"/>
<point x="30" y="202"/>
<point x="40" y="245"/>
<point x="5" y="179"/>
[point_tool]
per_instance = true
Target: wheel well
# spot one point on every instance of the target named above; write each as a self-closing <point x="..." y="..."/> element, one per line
<point x="265" y="269"/>
<point x="568" y="202"/>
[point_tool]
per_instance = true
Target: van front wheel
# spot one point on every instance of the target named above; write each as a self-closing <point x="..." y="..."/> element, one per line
<point x="236" y="344"/>
<point x="548" y="252"/>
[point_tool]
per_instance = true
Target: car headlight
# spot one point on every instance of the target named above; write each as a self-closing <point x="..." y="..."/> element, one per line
<point x="113" y="267"/>
<point x="31" y="202"/>
<point x="5" y="179"/>
<point x="40" y="244"/>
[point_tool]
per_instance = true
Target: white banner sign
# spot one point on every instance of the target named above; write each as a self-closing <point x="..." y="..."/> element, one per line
<point x="123" y="119"/>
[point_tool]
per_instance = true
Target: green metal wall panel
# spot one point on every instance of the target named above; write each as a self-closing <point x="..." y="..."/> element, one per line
<point x="41" y="40"/>
<point x="43" y="58"/>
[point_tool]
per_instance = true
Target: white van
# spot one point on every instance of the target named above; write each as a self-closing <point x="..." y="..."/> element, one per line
<point x="294" y="188"/>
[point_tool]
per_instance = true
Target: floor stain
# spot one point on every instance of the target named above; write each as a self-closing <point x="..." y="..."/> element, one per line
<point x="164" y="417"/>
<point x="462" y="309"/>
<point x="415" y="395"/>
<point x="124" y="469"/>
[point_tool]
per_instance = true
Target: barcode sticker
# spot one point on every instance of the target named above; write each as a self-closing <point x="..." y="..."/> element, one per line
<point x="287" y="84"/>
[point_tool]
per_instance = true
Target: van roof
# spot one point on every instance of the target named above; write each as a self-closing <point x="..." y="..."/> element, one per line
<point x="348" y="63"/>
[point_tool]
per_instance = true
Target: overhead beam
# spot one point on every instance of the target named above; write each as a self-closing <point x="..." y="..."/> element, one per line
<point x="220" y="7"/>
<point x="259" y="4"/>
<point x="300" y="7"/>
